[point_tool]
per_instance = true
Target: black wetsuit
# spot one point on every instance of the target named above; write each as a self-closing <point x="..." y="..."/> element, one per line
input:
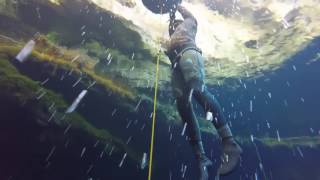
<point x="188" y="78"/>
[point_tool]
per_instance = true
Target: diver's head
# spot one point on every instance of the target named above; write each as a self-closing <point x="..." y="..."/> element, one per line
<point x="174" y="25"/>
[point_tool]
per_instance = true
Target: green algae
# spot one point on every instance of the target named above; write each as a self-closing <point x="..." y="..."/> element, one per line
<point x="50" y="55"/>
<point x="23" y="90"/>
<point x="308" y="141"/>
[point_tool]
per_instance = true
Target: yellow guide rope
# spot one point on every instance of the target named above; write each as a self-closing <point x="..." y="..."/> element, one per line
<point x="154" y="110"/>
<point x="154" y="117"/>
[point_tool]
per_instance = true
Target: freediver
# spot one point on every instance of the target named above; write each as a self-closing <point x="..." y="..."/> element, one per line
<point x="187" y="83"/>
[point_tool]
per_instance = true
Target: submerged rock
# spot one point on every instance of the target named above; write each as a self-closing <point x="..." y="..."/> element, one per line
<point x="253" y="44"/>
<point x="128" y="3"/>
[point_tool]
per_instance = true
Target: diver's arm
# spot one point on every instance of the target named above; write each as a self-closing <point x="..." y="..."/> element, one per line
<point x="185" y="13"/>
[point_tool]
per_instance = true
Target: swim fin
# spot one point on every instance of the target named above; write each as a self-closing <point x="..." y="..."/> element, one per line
<point x="230" y="157"/>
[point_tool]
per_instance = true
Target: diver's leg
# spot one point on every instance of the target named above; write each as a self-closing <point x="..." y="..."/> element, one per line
<point x="231" y="149"/>
<point x="188" y="68"/>
<point x="187" y="115"/>
<point x="210" y="104"/>
<point x="194" y="76"/>
<point x="185" y="108"/>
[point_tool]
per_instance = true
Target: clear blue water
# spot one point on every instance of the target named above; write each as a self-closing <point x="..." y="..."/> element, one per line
<point x="286" y="101"/>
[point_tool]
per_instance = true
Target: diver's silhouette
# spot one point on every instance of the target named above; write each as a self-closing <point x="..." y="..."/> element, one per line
<point x="188" y="83"/>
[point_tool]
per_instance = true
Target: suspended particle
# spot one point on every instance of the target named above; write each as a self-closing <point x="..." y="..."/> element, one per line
<point x="129" y="139"/>
<point x="209" y="116"/>
<point x="91" y="85"/>
<point x="67" y="129"/>
<point x="26" y="51"/>
<point x="101" y="154"/>
<point x="52" y="116"/>
<point x="278" y="136"/>
<point x="181" y="169"/>
<point x="269" y="94"/>
<point x="51" y="153"/>
<point x="70" y="72"/>
<point x="144" y="162"/>
<point x="110" y="153"/>
<point x="83" y="151"/>
<point x="77" y="82"/>
<point x="251" y="106"/>
<point x="122" y="160"/>
<point x="230" y="123"/>
<point x="39" y="91"/>
<point x="143" y="126"/>
<point x="288" y="83"/>
<point x="294" y="68"/>
<point x="247" y="59"/>
<point x="41" y="95"/>
<point x="90" y="168"/>
<point x="51" y="106"/>
<point x="44" y="82"/>
<point x="77" y="101"/>
<point x="285" y="23"/>
<point x="268" y="124"/>
<point x="67" y="143"/>
<point x="47" y="165"/>
<point x="113" y="112"/>
<point x="311" y="130"/>
<point x="261" y="166"/>
<point x="300" y="151"/>
<point x="138" y="104"/>
<point x="252" y="138"/>
<point x="96" y="144"/>
<point x="128" y="125"/>
<point x="184" y="171"/>
<point x="75" y="58"/>
<point x="256" y="176"/>
<point x="184" y="129"/>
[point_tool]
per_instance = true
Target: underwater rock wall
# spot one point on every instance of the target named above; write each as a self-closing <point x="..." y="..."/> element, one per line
<point x="83" y="45"/>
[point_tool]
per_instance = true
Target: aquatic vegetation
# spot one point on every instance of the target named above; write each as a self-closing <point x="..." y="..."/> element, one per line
<point x="253" y="67"/>
<point x="7" y="8"/>
<point x="52" y="55"/>
<point x="24" y="91"/>
<point x="291" y="142"/>
<point x="95" y="49"/>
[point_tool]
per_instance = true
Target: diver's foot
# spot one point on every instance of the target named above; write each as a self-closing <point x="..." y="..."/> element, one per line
<point x="204" y="162"/>
<point x="230" y="157"/>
